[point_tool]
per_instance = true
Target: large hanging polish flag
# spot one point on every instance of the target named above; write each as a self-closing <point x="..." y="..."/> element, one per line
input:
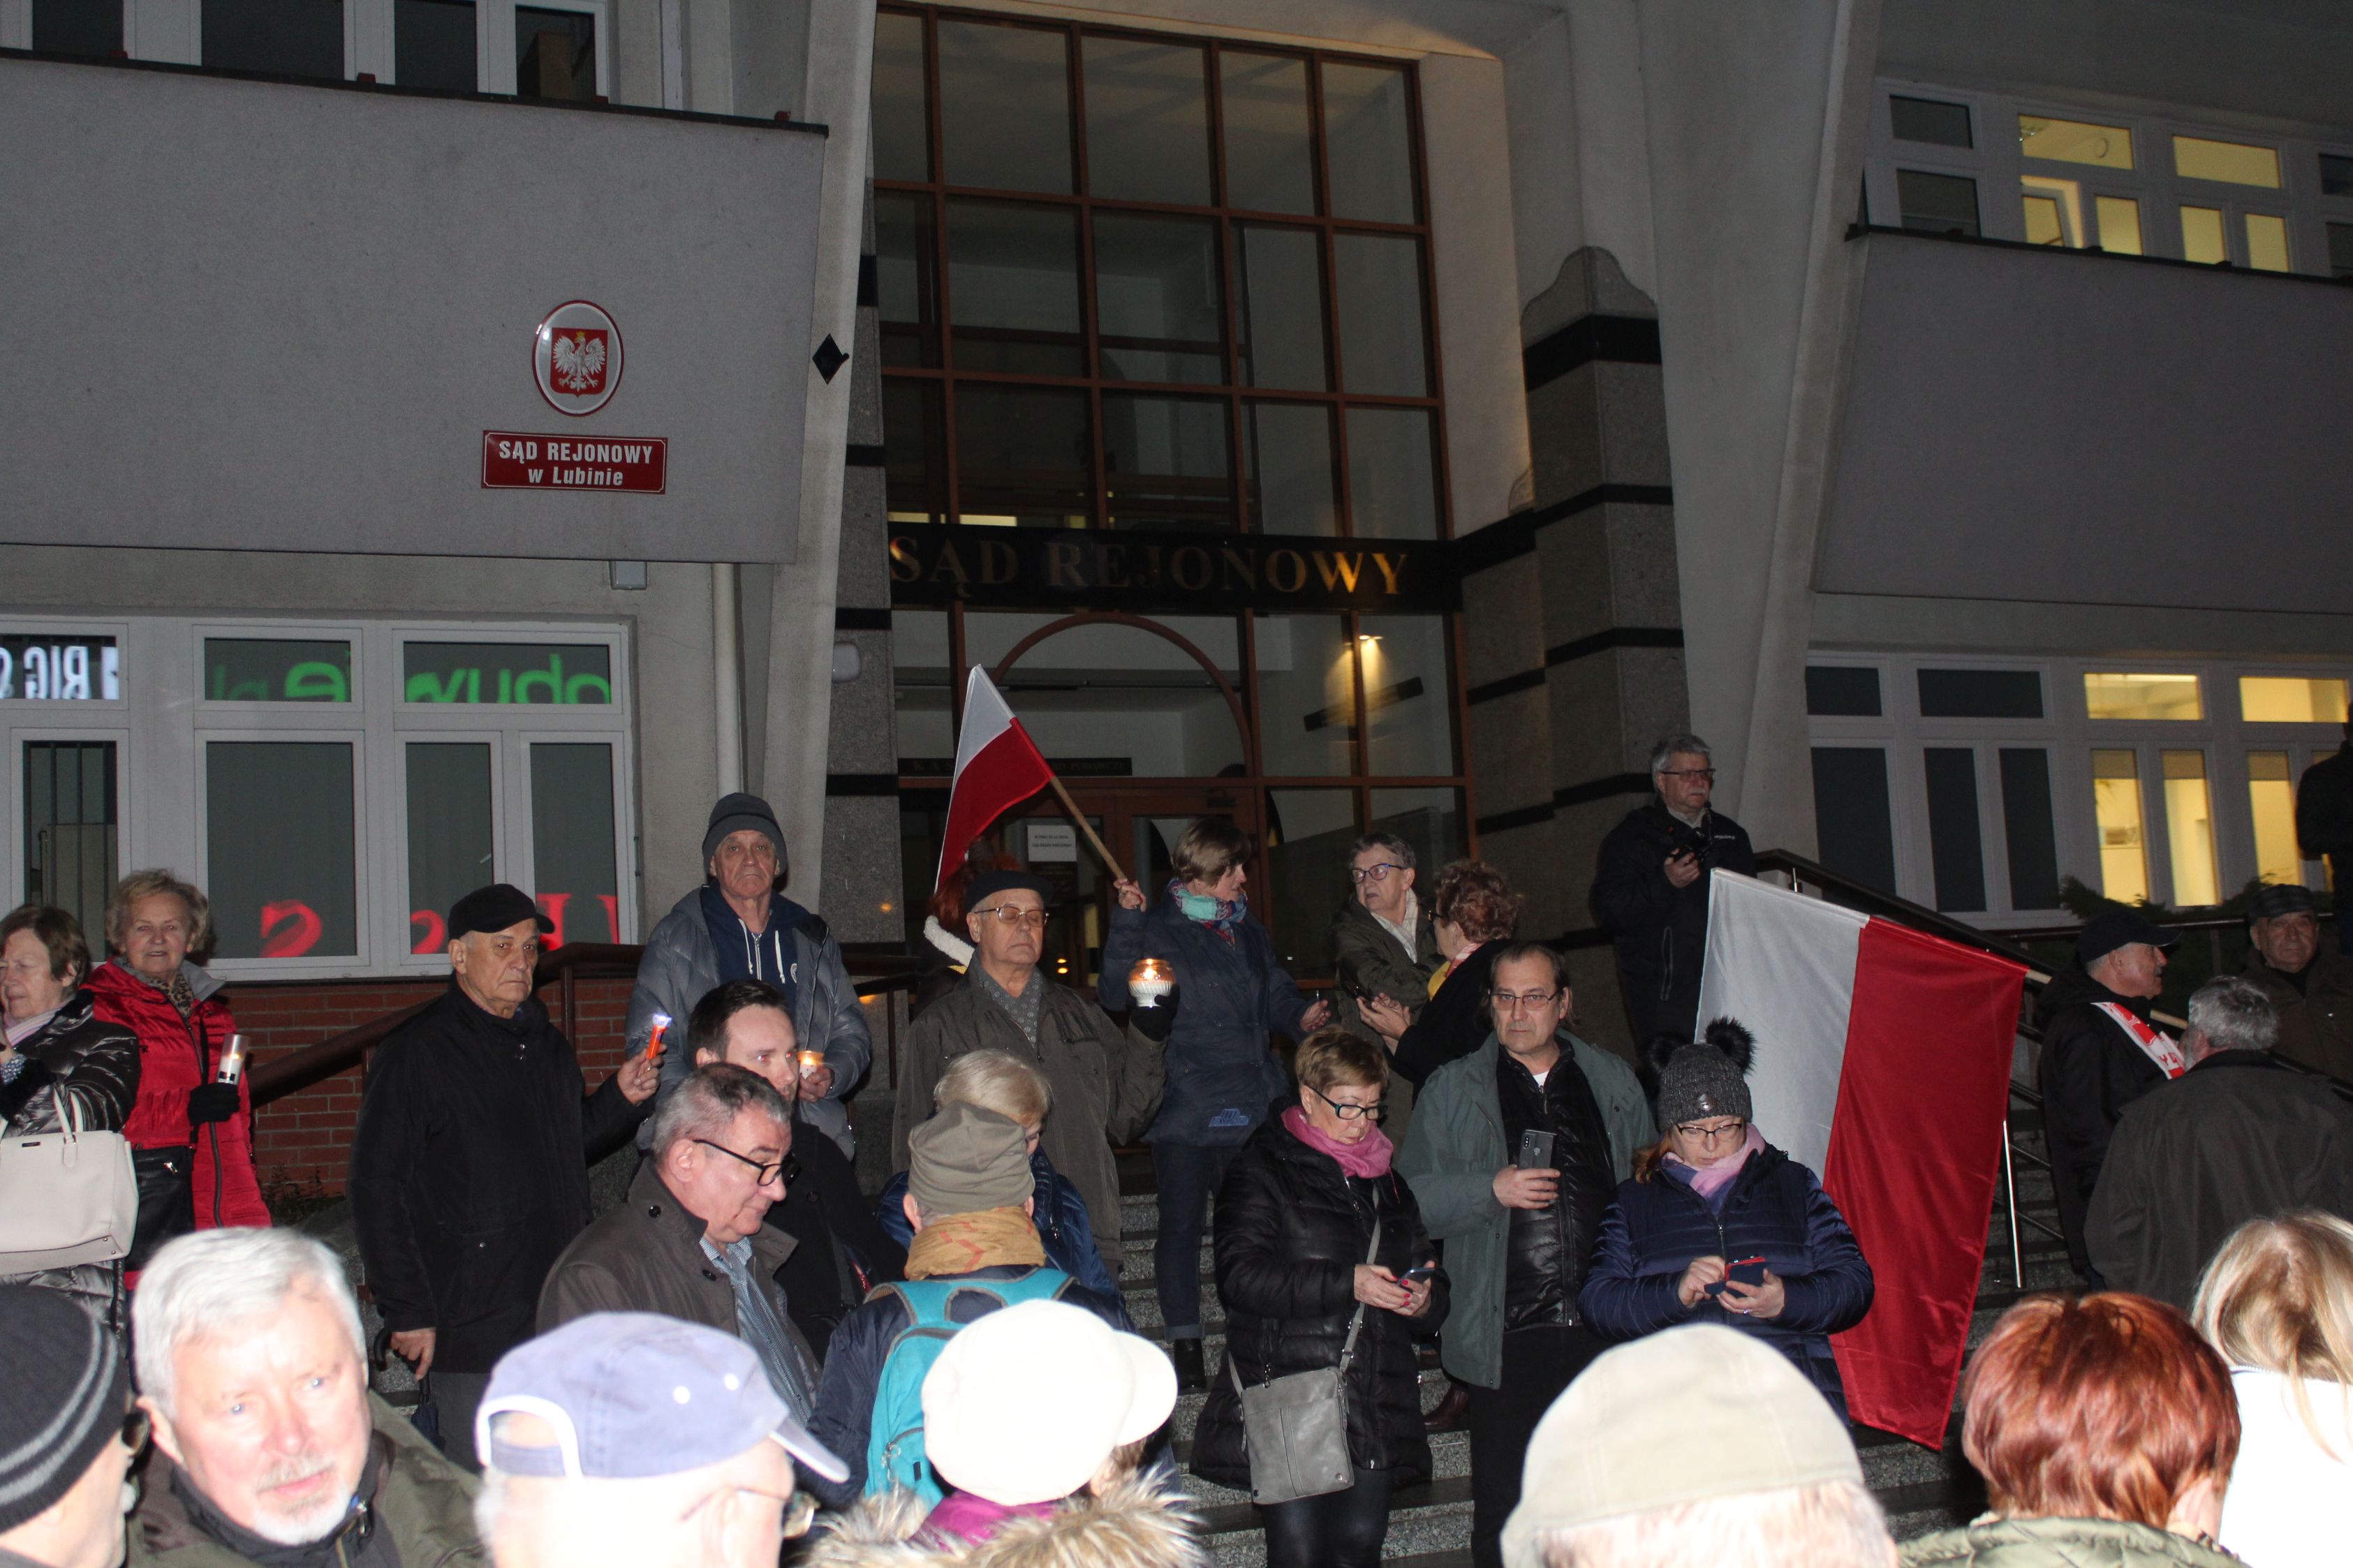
<point x="997" y="766"/>
<point x="1883" y="1063"/>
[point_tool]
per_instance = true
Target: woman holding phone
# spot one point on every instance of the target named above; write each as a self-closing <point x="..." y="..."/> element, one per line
<point x="1298" y="1256"/>
<point x="1717" y="1226"/>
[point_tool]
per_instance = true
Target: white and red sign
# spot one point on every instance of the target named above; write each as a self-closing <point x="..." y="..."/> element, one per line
<point x="576" y="355"/>
<point x="997" y="766"/>
<point x="1882" y="1064"/>
<point x="512" y="461"/>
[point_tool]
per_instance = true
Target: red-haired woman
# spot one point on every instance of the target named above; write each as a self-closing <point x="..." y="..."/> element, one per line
<point x="2105" y="1431"/>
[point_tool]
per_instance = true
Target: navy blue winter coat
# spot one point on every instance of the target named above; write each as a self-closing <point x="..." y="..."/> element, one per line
<point x="1222" y="1072"/>
<point x="1058" y="1211"/>
<point x="1776" y="1210"/>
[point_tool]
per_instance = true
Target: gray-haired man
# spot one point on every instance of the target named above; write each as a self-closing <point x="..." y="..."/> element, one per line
<point x="2239" y="1136"/>
<point x="1650" y="887"/>
<point x="688" y="1241"/>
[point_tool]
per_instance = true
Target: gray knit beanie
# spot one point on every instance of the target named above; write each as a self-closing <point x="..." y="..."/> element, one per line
<point x="1707" y="1076"/>
<point x="64" y="1390"/>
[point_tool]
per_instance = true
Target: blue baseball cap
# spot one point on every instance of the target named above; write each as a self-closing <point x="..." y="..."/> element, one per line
<point x="636" y="1394"/>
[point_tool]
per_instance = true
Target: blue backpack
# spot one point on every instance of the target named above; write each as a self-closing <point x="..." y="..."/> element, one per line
<point x="895" y="1443"/>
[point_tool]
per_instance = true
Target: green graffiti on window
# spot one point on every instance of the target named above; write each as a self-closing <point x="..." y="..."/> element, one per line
<point x="543" y="685"/>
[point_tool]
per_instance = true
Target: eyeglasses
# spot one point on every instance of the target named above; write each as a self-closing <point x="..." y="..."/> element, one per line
<point x="1013" y="914"/>
<point x="1707" y="774"/>
<point x="1505" y="1002"/>
<point x="1712" y="1134"/>
<point x="767" y="1173"/>
<point x="1350" y="1113"/>
<point x="1372" y="873"/>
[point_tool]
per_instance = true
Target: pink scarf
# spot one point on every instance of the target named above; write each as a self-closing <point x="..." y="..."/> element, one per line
<point x="1368" y="1157"/>
<point x="1709" y="1180"/>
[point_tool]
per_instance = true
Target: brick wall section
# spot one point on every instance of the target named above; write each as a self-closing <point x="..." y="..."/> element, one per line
<point x="306" y="1138"/>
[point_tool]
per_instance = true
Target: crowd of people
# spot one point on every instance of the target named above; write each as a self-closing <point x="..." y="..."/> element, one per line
<point x="1631" y="1290"/>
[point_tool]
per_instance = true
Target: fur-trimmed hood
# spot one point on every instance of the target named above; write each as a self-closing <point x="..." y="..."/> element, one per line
<point x="1136" y="1523"/>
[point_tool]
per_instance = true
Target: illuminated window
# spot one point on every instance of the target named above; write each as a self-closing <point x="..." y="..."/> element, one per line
<point x="2075" y="142"/>
<point x="2120" y="223"/>
<point x="2291" y="699"/>
<point x="2202" y="237"/>
<point x="2162" y="697"/>
<point x="2271" y="801"/>
<point x="2046" y="214"/>
<point x="2231" y="162"/>
<point x="2190" y="829"/>
<point x="2116" y="807"/>
<point x="2267" y="242"/>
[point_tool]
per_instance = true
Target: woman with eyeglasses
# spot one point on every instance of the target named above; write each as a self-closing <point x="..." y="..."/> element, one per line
<point x="1296" y="1261"/>
<point x="1717" y="1226"/>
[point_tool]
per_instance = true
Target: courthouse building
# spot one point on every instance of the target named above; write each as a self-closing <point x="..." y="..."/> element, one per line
<point x="1329" y="414"/>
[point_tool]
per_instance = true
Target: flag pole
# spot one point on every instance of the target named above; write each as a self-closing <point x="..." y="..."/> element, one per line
<point x="1086" y="827"/>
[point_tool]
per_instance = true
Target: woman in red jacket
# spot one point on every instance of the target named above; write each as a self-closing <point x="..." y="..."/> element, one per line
<point x="191" y="1138"/>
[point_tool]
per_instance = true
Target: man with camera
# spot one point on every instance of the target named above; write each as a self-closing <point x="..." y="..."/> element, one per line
<point x="1513" y="1155"/>
<point x="1650" y="887"/>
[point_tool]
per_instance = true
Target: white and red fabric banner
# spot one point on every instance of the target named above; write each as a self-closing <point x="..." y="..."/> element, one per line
<point x="1883" y="1063"/>
<point x="997" y="766"/>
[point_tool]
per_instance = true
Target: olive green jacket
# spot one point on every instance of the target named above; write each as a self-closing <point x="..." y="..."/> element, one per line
<point x="423" y="1502"/>
<point x="1451" y="1155"/>
<point x="2060" y="1543"/>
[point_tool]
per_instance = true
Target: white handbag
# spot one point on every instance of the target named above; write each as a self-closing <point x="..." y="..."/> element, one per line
<point x="66" y="1197"/>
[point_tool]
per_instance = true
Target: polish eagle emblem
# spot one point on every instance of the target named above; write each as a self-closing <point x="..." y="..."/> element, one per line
<point x="578" y="359"/>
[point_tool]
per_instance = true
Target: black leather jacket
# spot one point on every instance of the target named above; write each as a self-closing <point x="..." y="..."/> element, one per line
<point x="80" y="1055"/>
<point x="1551" y="1248"/>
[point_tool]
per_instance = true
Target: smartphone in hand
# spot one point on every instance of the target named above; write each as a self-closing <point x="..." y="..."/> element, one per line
<point x="1749" y="1272"/>
<point x="1419" y="1273"/>
<point x="1536" y="1151"/>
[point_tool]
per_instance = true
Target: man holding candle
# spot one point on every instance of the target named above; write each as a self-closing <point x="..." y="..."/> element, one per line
<point x="1231" y="993"/>
<point x="1105" y="1082"/>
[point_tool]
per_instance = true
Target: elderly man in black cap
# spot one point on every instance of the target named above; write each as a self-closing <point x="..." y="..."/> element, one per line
<point x="2101" y="1051"/>
<point x="1105" y="1084"/>
<point x="2312" y="990"/>
<point x="470" y="1169"/>
<point x="738" y="925"/>
<point x="65" y="1442"/>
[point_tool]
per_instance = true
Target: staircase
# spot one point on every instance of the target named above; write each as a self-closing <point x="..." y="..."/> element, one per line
<point x="1430" y="1525"/>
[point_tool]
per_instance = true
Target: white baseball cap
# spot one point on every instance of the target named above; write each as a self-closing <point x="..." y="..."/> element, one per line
<point x="1025" y="1404"/>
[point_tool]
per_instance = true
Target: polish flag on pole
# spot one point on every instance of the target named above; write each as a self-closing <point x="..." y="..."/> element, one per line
<point x="997" y="766"/>
<point x="1883" y="1063"/>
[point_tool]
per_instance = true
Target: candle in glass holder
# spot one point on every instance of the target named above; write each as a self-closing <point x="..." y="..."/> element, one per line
<point x="1149" y="982"/>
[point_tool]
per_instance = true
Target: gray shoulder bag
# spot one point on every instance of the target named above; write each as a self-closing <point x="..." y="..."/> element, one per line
<point x="1297" y="1426"/>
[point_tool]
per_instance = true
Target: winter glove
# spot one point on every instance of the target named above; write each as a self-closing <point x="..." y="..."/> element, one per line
<point x="1155" y="1022"/>
<point x="212" y="1102"/>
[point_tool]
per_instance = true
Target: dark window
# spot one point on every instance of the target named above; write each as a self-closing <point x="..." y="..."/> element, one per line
<point x="1938" y="204"/>
<point x="1981" y="694"/>
<point x="281" y="848"/>
<point x="572" y="859"/>
<point x="2026" y="825"/>
<point x="2336" y="175"/>
<point x="278" y="669"/>
<point x="449" y="837"/>
<point x="2340" y="249"/>
<point x="1843" y="690"/>
<point x="285" y="37"/>
<point x="433" y="44"/>
<point x="1930" y="120"/>
<point x="1852" y="827"/>
<point x="556" y="54"/>
<point x="77" y="27"/>
<point x="468" y="673"/>
<point x="70" y="846"/>
<point x="1956" y="846"/>
<point x="1154" y="321"/>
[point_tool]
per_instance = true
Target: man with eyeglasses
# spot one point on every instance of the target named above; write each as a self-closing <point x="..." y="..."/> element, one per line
<point x="1650" y="887"/>
<point x="631" y="1440"/>
<point x="66" y="1446"/>
<point x="688" y="1241"/>
<point x="469" y="1169"/>
<point x="270" y="1450"/>
<point x="1384" y="948"/>
<point x="1519" y="1237"/>
<point x="1105" y="1082"/>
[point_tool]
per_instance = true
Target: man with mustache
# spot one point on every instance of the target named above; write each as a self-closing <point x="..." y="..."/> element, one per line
<point x="270" y="1452"/>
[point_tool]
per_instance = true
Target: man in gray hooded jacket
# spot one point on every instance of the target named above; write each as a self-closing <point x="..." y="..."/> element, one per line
<point x="739" y="926"/>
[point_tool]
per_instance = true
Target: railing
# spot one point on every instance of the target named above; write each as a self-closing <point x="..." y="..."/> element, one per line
<point x="564" y="968"/>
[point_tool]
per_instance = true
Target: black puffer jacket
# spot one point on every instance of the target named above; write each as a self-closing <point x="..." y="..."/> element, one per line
<point x="1290" y="1231"/>
<point x="80" y="1055"/>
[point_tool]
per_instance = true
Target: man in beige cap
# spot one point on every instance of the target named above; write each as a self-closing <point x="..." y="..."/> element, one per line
<point x="974" y="1251"/>
<point x="1698" y="1445"/>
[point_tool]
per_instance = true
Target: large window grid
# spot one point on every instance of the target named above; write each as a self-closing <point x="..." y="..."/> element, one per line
<point x="1083" y="422"/>
<point x="275" y="762"/>
<point x="2182" y="797"/>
